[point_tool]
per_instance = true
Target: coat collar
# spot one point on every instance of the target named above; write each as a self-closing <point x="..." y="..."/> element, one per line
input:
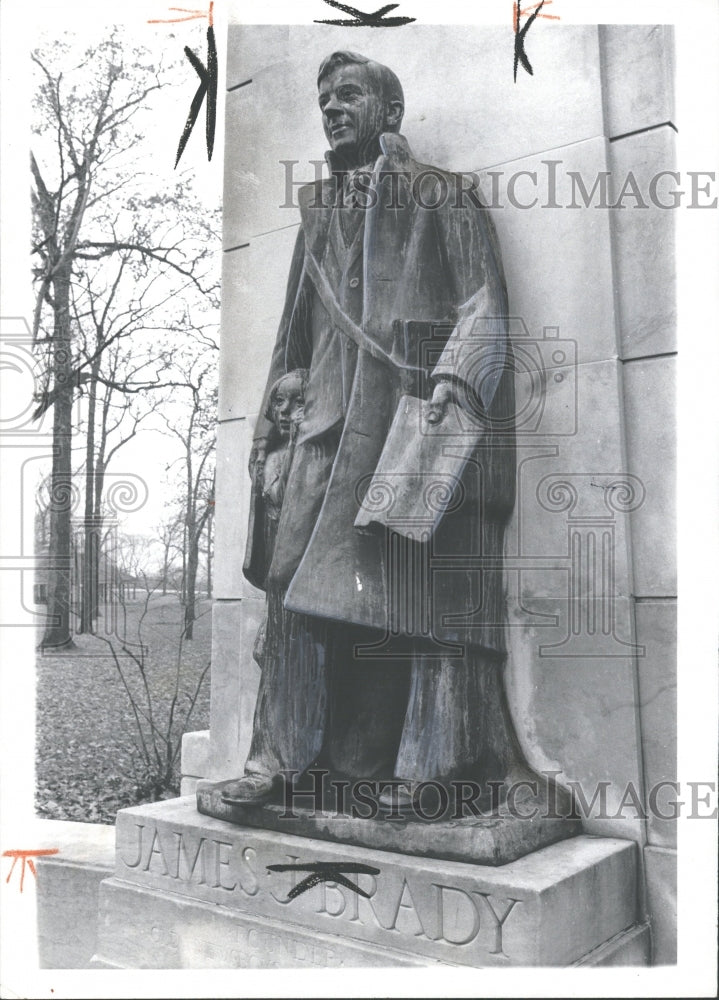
<point x="316" y="199"/>
<point x="392" y="145"/>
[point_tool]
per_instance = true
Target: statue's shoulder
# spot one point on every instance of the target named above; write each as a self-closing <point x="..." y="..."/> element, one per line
<point x="316" y="194"/>
<point x="439" y="186"/>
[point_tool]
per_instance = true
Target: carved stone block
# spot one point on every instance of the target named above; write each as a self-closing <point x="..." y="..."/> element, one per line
<point x="191" y="891"/>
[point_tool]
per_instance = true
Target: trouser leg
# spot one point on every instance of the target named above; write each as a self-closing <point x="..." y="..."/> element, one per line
<point x="458" y="724"/>
<point x="290" y="714"/>
<point x="368" y="701"/>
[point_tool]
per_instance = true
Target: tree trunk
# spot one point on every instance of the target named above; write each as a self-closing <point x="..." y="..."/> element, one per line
<point x="90" y="562"/>
<point x="209" y="555"/>
<point x="183" y="581"/>
<point x="99" y="488"/>
<point x="57" y="632"/>
<point x="99" y="484"/>
<point x="193" y="556"/>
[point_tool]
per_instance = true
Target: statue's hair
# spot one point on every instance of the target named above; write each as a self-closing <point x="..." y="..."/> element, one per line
<point x="302" y="373"/>
<point x="386" y="82"/>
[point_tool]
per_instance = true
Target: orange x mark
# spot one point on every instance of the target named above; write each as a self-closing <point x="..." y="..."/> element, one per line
<point x="192" y="15"/>
<point x="25" y="857"/>
<point x="519" y="12"/>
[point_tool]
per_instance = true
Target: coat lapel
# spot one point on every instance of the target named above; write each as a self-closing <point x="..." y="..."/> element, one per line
<point x="388" y="230"/>
<point x="316" y="201"/>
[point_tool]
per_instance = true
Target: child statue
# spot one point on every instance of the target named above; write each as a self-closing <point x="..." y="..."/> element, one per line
<point x="285" y="410"/>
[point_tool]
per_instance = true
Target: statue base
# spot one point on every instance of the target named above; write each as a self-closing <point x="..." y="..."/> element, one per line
<point x="191" y="891"/>
<point x="494" y="839"/>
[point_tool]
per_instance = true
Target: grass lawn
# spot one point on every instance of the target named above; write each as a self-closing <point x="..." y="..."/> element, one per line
<point x="88" y="761"/>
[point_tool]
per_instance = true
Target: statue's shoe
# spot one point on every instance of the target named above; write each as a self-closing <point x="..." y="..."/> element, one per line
<point x="253" y="789"/>
<point x="401" y="798"/>
<point x="409" y="798"/>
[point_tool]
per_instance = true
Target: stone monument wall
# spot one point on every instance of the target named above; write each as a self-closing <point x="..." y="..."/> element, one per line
<point x="590" y="554"/>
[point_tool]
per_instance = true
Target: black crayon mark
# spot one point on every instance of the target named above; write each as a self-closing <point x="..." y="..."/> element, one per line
<point x="376" y="19"/>
<point x="208" y="87"/>
<point x="237" y="86"/>
<point x="520" y="56"/>
<point x="326" y="871"/>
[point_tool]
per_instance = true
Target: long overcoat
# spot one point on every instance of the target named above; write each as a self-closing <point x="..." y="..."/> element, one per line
<point x="434" y="303"/>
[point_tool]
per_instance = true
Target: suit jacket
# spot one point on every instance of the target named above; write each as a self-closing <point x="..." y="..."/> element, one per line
<point x="433" y="303"/>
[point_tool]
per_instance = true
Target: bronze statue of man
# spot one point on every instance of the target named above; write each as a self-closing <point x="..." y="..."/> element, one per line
<point x="395" y="292"/>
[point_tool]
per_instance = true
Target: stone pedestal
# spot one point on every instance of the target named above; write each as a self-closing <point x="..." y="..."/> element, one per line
<point x="191" y="891"/>
<point x="449" y="832"/>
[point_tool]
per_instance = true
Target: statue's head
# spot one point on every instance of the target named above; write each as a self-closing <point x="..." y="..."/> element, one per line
<point x="359" y="99"/>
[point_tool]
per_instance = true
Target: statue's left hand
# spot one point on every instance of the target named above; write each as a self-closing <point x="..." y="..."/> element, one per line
<point x="256" y="464"/>
<point x="296" y="419"/>
<point x="436" y="407"/>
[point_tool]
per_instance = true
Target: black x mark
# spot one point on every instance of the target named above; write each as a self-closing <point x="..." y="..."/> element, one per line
<point x="373" y="20"/>
<point x="520" y="56"/>
<point x="326" y="871"/>
<point x="208" y="86"/>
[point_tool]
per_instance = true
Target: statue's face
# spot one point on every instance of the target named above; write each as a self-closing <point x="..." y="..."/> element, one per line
<point x="288" y="404"/>
<point x="353" y="113"/>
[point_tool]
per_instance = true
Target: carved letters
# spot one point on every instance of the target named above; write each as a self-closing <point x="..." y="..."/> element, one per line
<point x="398" y="906"/>
<point x="252" y="948"/>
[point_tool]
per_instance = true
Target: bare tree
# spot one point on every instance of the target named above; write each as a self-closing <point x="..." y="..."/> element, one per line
<point x="196" y="432"/>
<point x="88" y="211"/>
<point x="170" y="534"/>
<point x="114" y="411"/>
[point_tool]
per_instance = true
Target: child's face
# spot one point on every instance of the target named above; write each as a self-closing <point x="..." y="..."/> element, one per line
<point x="287" y="404"/>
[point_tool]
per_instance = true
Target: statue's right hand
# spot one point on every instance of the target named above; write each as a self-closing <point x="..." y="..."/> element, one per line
<point x="435" y="408"/>
<point x="258" y="454"/>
